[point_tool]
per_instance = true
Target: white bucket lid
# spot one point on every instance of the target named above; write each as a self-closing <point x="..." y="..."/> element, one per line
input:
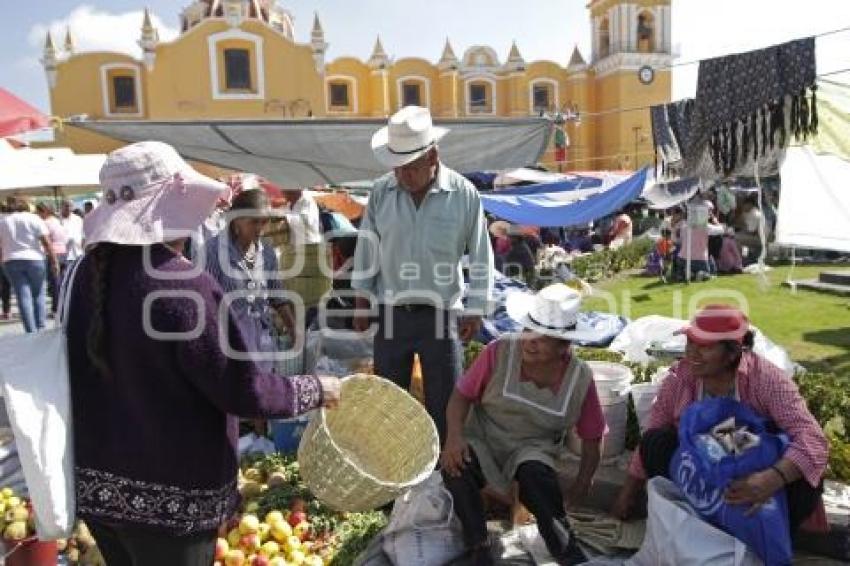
<point x="610" y="372"/>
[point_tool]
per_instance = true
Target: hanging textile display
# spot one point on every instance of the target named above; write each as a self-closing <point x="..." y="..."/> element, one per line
<point x="748" y="108"/>
<point x="671" y="125"/>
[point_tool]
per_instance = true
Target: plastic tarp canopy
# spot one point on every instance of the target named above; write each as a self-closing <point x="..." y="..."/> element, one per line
<point x="526" y="175"/>
<point x="304" y="153"/>
<point x="661" y="196"/>
<point x="556" y="207"/>
<point x="41" y="171"/>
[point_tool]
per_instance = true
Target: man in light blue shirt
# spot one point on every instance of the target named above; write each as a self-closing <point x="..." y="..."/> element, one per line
<point x="420" y="221"/>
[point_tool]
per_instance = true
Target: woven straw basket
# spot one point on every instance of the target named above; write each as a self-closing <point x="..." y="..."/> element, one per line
<point x="375" y="446"/>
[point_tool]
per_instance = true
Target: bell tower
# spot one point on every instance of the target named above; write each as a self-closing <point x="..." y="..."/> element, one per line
<point x="631" y="54"/>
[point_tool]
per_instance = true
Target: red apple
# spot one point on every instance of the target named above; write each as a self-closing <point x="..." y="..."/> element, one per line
<point x="297" y="517"/>
<point x="297" y="504"/>
<point x="260" y="560"/>
<point x="251" y="542"/>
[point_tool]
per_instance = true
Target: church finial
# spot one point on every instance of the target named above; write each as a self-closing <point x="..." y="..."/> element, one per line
<point x="448" y="60"/>
<point x="317" y="41"/>
<point x="148" y="40"/>
<point x="576" y="59"/>
<point x="379" y="59"/>
<point x="48" y="43"/>
<point x="317" y="25"/>
<point x="69" y="42"/>
<point x="49" y="60"/>
<point x="515" y="61"/>
<point x="146" y="23"/>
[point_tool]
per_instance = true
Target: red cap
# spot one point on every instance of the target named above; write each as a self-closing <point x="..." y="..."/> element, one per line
<point x="716" y="323"/>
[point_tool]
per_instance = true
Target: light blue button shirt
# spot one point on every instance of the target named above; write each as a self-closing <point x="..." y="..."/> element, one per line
<point x="414" y="254"/>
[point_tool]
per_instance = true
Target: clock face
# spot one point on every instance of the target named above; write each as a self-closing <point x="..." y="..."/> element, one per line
<point x="646" y="74"/>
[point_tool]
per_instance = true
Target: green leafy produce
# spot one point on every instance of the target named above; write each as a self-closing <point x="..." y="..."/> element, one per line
<point x="355" y="534"/>
<point x="606" y="263"/>
<point x="827" y="395"/>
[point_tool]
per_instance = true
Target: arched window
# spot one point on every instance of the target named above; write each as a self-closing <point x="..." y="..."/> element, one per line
<point x="543" y="95"/>
<point x="646" y="32"/>
<point x="121" y="90"/>
<point x="414" y="90"/>
<point x="236" y="65"/>
<point x="481" y="95"/>
<point x="341" y="94"/>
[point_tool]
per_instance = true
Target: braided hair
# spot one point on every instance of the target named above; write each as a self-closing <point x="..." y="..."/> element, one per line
<point x="98" y="335"/>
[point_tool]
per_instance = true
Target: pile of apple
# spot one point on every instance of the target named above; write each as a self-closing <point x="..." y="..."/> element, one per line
<point x="17" y="524"/>
<point x="282" y="539"/>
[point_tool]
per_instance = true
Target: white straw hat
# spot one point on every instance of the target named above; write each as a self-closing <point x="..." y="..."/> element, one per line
<point x="552" y="311"/>
<point x="409" y="134"/>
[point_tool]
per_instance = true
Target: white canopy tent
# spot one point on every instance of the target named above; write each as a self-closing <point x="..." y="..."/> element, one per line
<point x="814" y="207"/>
<point x="48" y="171"/>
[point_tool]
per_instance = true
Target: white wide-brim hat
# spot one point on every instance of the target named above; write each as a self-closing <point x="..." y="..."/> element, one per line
<point x="409" y="134"/>
<point x="150" y="195"/>
<point x="552" y="311"/>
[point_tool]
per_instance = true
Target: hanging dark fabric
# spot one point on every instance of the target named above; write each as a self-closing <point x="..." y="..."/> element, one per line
<point x="671" y="124"/>
<point x="760" y="100"/>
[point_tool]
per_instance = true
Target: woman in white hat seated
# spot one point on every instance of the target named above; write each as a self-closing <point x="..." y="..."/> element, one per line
<point x="509" y="415"/>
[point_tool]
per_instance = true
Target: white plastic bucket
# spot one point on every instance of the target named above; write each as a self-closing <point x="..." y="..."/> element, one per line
<point x="612" y="385"/>
<point x="643" y="395"/>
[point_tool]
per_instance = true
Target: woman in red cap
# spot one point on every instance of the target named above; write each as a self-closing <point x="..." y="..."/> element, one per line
<point x="719" y="362"/>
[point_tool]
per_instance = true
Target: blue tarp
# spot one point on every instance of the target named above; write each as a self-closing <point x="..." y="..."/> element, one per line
<point x="559" y="187"/>
<point x="556" y="208"/>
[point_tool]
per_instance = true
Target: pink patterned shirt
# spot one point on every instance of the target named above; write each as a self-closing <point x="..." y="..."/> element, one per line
<point x="764" y="388"/>
<point x="591" y="424"/>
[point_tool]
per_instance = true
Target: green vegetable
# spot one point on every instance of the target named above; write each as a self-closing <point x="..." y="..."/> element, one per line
<point x="355" y="534"/>
<point x="471" y="352"/>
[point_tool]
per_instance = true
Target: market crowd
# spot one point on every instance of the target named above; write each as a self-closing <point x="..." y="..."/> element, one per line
<point x="156" y="415"/>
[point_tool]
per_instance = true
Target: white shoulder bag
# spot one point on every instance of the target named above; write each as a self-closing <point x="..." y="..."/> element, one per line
<point x="35" y="381"/>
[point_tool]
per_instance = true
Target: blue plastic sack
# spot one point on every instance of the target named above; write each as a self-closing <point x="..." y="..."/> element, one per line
<point x="704" y="479"/>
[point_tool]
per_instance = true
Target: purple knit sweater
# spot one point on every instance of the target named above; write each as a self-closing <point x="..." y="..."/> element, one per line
<point x="155" y="444"/>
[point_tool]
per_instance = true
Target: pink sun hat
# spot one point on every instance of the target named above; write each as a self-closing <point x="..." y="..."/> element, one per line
<point x="150" y="195"/>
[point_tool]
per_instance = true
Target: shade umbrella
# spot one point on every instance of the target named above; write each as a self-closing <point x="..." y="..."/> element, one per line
<point x="17" y="116"/>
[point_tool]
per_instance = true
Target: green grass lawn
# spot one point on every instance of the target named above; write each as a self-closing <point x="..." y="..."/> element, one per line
<point x="813" y="327"/>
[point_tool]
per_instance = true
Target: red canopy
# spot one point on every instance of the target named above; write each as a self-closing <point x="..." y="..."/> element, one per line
<point x="16" y="116"/>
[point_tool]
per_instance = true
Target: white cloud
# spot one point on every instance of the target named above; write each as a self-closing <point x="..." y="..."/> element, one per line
<point x="98" y="30"/>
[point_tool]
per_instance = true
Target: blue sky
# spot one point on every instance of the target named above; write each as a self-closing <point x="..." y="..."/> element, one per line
<point x="543" y="29"/>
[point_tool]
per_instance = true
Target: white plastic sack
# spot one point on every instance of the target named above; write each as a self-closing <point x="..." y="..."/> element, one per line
<point x="34" y="377"/>
<point x="343" y="348"/>
<point x="677" y="536"/>
<point x="423" y="530"/>
<point x="657" y="331"/>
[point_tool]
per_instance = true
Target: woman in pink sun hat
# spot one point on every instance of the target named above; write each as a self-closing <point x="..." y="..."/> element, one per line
<point x="719" y="362"/>
<point x="155" y="393"/>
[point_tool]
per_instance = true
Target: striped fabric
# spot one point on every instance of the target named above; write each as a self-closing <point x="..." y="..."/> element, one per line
<point x="768" y="391"/>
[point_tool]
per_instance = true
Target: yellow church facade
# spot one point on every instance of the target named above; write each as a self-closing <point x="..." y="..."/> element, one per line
<point x="237" y="59"/>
